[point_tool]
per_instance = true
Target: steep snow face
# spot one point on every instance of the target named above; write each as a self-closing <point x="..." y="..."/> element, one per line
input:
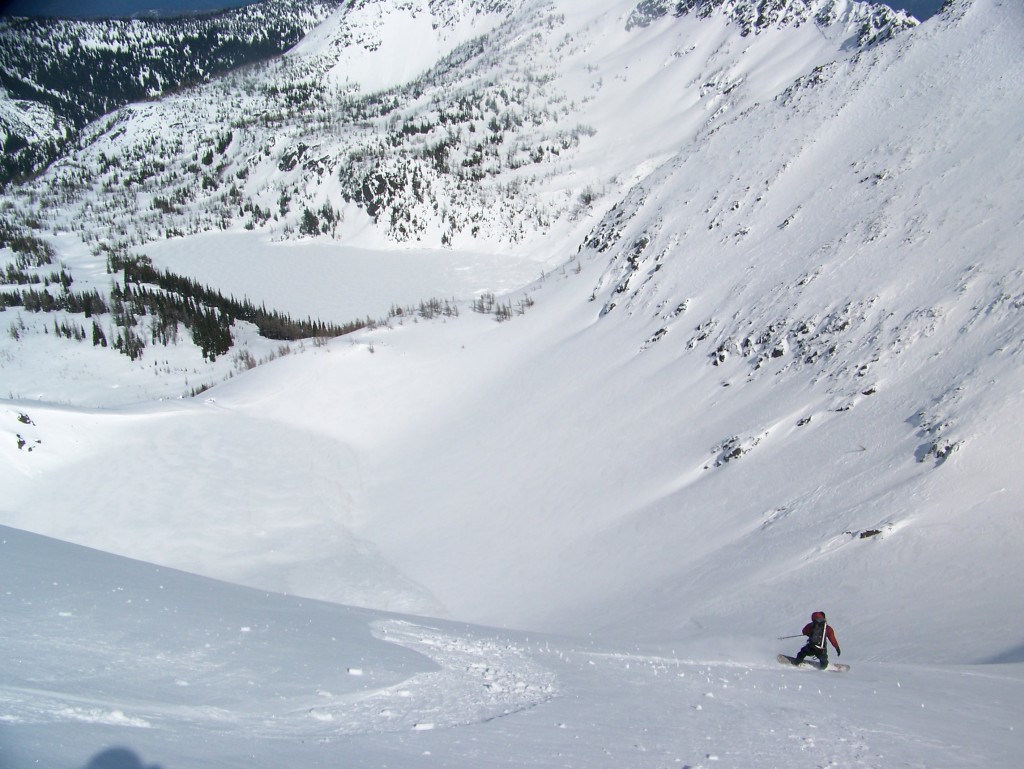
<point x="831" y="329"/>
<point x="781" y="372"/>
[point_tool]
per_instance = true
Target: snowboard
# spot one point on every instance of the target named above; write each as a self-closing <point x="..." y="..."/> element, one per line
<point x="837" y="667"/>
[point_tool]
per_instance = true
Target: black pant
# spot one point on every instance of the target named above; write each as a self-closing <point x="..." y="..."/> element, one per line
<point x="811" y="651"/>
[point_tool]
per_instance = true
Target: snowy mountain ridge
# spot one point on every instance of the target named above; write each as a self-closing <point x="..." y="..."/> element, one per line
<point x="444" y="135"/>
<point x="876" y="22"/>
<point x="832" y="315"/>
<point x="761" y="356"/>
<point x="488" y="147"/>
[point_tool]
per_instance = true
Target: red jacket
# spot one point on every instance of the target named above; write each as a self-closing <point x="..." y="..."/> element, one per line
<point x="828" y="629"/>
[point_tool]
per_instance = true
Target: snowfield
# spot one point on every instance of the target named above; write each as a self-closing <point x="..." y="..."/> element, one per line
<point x="116" y="663"/>
<point x="770" y="363"/>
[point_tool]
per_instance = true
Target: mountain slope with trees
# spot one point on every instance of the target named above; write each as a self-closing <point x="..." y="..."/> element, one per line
<point x="59" y="75"/>
<point x="759" y="354"/>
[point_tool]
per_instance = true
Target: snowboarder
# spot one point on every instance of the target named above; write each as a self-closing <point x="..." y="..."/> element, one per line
<point x="818" y="631"/>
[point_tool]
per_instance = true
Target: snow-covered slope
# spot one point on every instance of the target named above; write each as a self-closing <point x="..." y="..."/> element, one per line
<point x="773" y="365"/>
<point x="479" y="132"/>
<point x="115" y="664"/>
<point x="57" y="75"/>
<point x="368" y="47"/>
<point x="514" y="144"/>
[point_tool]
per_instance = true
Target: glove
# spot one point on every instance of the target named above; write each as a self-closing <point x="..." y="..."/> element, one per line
<point x="839" y="652"/>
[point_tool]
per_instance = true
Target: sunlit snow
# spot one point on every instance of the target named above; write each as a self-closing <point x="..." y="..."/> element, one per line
<point x="770" y="364"/>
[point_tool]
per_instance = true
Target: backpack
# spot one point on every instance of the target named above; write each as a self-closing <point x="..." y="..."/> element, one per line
<point x="817" y="637"/>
